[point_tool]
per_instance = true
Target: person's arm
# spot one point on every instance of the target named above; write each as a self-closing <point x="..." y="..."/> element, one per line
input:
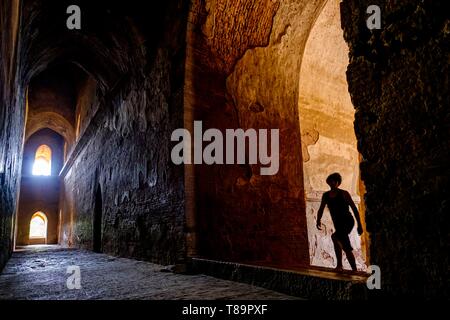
<point x="352" y="205"/>
<point x="320" y="212"/>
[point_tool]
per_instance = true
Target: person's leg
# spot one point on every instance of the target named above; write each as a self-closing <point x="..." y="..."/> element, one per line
<point x="347" y="247"/>
<point x="337" y="251"/>
<point x="351" y="258"/>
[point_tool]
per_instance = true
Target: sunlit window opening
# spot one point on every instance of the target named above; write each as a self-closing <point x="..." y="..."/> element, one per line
<point x="42" y="161"/>
<point x="38" y="226"/>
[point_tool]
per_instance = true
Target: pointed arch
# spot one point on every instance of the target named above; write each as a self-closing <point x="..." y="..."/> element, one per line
<point x="42" y="165"/>
<point x="38" y="226"/>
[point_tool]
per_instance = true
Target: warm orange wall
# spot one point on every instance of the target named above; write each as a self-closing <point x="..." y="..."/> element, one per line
<point x="243" y="73"/>
<point x="38" y="194"/>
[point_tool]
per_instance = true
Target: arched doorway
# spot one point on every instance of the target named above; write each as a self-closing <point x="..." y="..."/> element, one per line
<point x="38" y="228"/>
<point x="235" y="214"/>
<point x="326" y="116"/>
<point x="97" y="221"/>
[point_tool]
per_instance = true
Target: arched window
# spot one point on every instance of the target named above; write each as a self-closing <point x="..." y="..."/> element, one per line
<point x="42" y="161"/>
<point x="38" y="226"/>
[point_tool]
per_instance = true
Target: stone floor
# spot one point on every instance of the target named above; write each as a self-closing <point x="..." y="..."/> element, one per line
<point x="39" y="272"/>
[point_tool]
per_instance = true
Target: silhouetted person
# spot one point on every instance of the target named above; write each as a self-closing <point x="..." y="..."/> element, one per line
<point x="338" y="201"/>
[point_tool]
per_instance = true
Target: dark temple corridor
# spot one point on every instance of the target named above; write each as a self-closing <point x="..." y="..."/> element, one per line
<point x="40" y="273"/>
<point x="187" y="149"/>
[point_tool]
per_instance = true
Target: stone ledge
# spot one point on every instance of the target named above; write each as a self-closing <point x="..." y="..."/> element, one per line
<point x="308" y="283"/>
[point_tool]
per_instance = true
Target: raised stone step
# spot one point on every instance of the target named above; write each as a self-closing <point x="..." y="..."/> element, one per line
<point x="308" y="283"/>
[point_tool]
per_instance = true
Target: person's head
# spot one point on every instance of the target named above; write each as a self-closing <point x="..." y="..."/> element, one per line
<point x="334" y="180"/>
